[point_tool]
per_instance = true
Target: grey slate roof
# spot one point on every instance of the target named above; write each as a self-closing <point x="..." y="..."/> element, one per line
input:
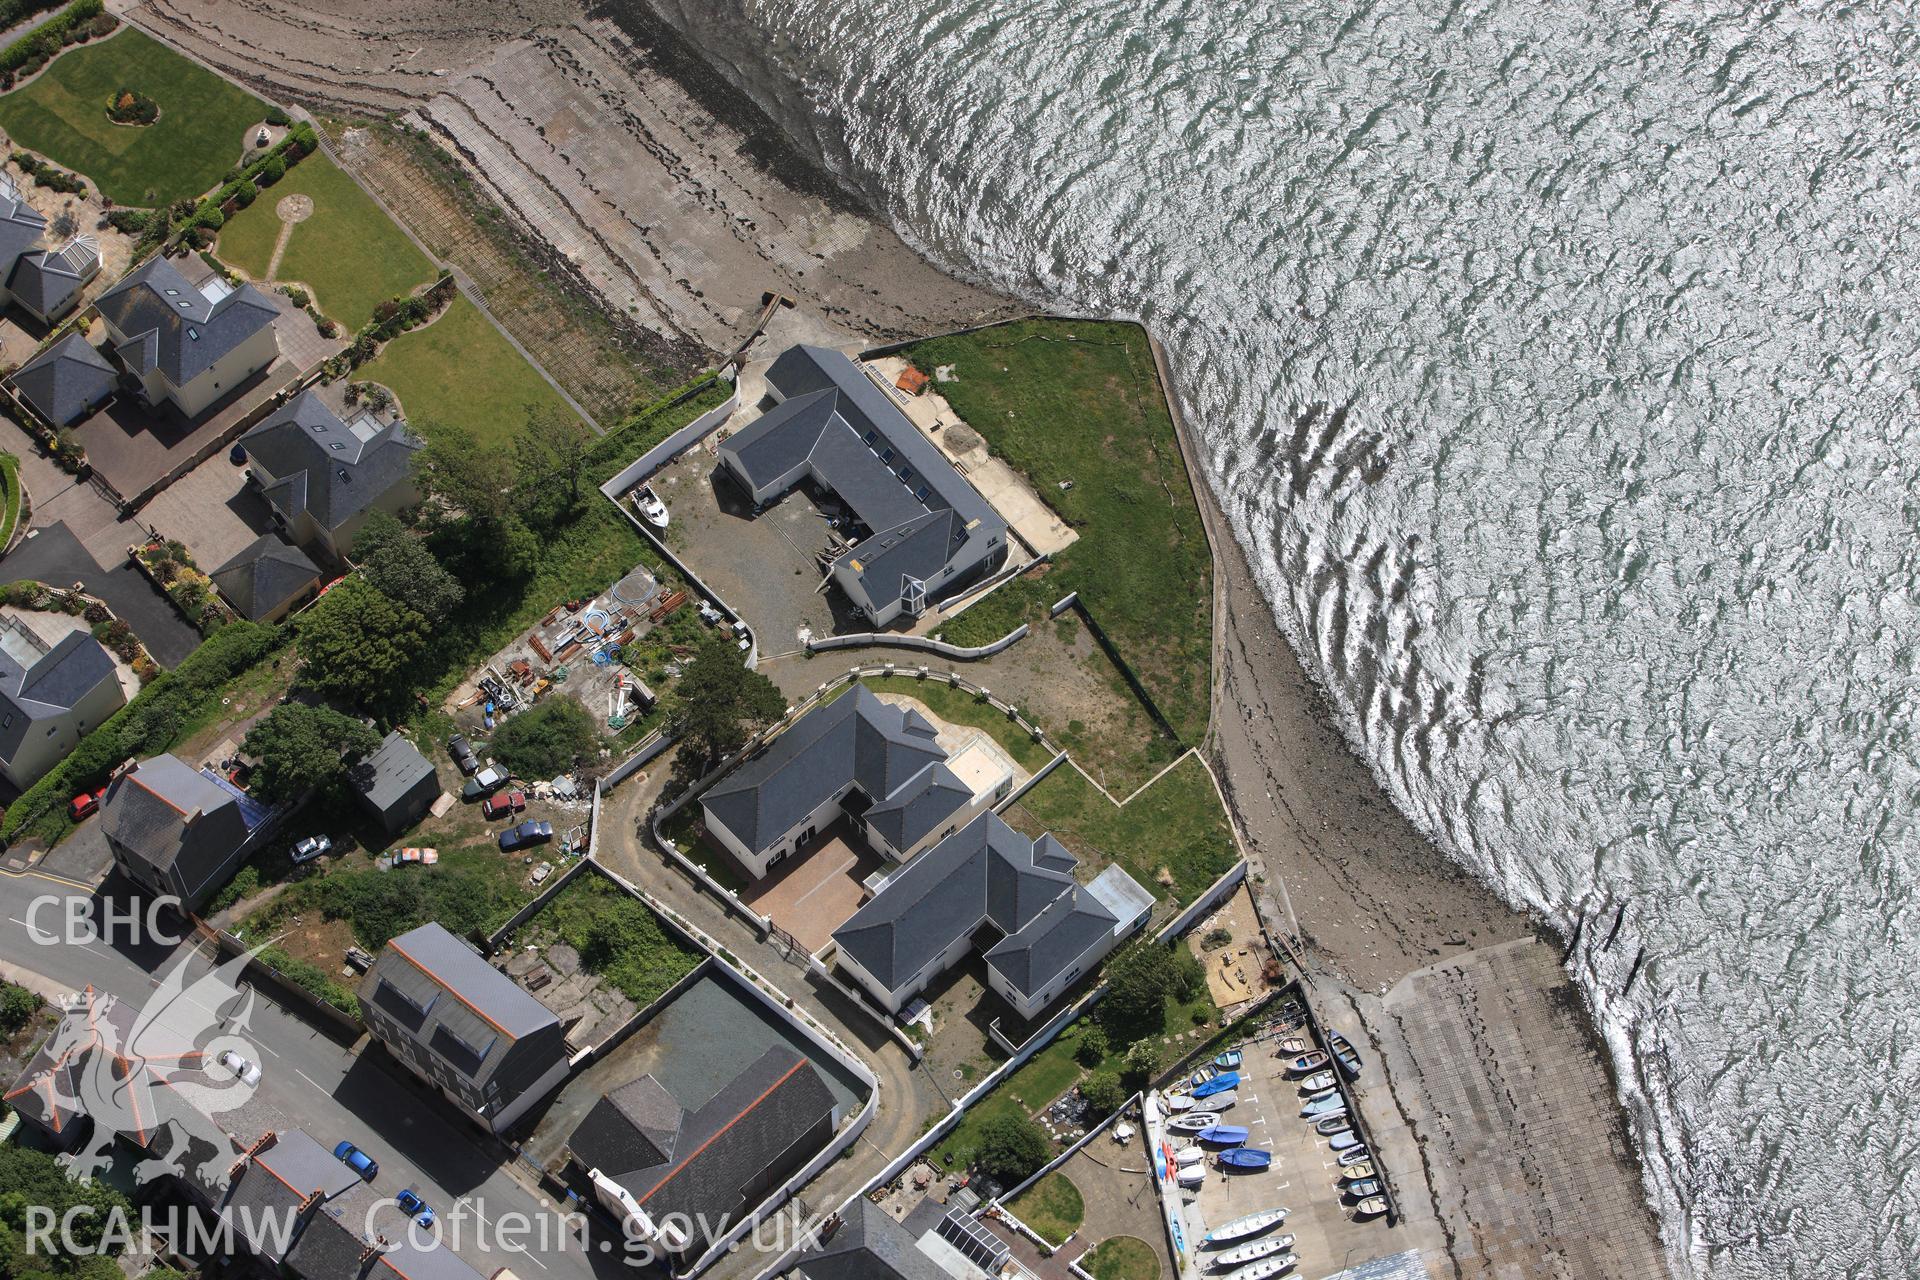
<point x="869" y="1245"/>
<point x="170" y="325"/>
<point x="859" y="739"/>
<point x="20" y="226"/>
<point x="45" y="278"/>
<point x="322" y="466"/>
<point x="333" y="1246"/>
<point x="265" y="576"/>
<point x="985" y="873"/>
<point x="32" y="695"/>
<point x="67" y="381"/>
<point x="396" y="782"/>
<point x="713" y="1153"/>
<point x="169" y="814"/>
<point x="462" y="1008"/>
<point x="406" y="1261"/>
<point x="277" y="1184"/>
<point x="923" y="517"/>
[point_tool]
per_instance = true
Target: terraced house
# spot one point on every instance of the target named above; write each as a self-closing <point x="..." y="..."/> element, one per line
<point x="463" y="1026"/>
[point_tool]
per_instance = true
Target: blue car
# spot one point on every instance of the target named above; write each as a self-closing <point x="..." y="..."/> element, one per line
<point x="414" y="1207"/>
<point x="526" y="835"/>
<point x="357" y="1160"/>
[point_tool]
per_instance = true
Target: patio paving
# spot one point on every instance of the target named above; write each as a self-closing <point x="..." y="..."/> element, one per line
<point x="812" y="894"/>
<point x="213" y="510"/>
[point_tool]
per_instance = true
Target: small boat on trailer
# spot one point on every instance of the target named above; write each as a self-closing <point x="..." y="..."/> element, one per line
<point x="1355" y="1172"/>
<point x="1371" y="1207"/>
<point x="1344" y="1053"/>
<point x="1264" y="1268"/>
<point x="1244" y="1228"/>
<point x="1193" y="1122"/>
<point x="1246" y="1158"/>
<point x="1307" y="1063"/>
<point x="1224" y="1135"/>
<point x="1241" y="1255"/>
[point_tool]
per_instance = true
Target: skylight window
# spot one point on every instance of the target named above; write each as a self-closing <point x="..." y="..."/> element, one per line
<point x="173" y="293"/>
<point x="887" y="456"/>
<point x="338" y="444"/>
<point x="194" y="334"/>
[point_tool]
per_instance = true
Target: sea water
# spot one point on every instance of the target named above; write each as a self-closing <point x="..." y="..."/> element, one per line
<point x="1556" y="362"/>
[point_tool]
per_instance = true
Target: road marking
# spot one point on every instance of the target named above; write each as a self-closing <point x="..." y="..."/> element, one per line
<point x="264" y="1048"/>
<point x="48" y="876"/>
<point x="310" y="1080"/>
<point x="467" y="1201"/>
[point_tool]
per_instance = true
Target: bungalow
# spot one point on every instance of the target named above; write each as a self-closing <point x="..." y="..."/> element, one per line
<point x="67" y="382"/>
<point x="184" y="344"/>
<point x="1051" y="929"/>
<point x="872" y="762"/>
<point x="463" y="1026"/>
<point x="180" y="831"/>
<point x="323" y="476"/>
<point x="920" y="531"/>
<point x="51" y="696"/>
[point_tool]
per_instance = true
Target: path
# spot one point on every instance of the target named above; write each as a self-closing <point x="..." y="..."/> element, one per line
<point x="292" y="211"/>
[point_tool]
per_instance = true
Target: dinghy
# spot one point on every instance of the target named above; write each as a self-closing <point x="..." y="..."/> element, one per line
<point x="1227" y="1061"/>
<point x="1241" y="1228"/>
<point x="1353" y="1156"/>
<point x="1293" y="1045"/>
<point x="1224" y="1135"/>
<point x="1219" y="1084"/>
<point x="1344" y="1140"/>
<point x="1325" y="1105"/>
<point x="1203" y="1075"/>
<point x="1263" y="1269"/>
<point x="1249" y="1158"/>
<point x="1192" y="1176"/>
<point x="1318" y="1082"/>
<point x="1307" y="1063"/>
<point x="1189" y="1155"/>
<point x="1344" y="1053"/>
<point x="1241" y="1255"/>
<point x="1151" y="1108"/>
<point x="1223" y="1101"/>
<point x="1328" y="1125"/>
<point x="1178" y="1102"/>
<point x="1371" y="1207"/>
<point x="1355" y="1172"/>
<point x="1366" y="1188"/>
<point x="1192" y="1122"/>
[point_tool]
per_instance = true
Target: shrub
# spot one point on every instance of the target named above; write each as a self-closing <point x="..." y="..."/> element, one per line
<point x="25" y="161"/>
<point x="311" y="979"/>
<point x="104" y="24"/>
<point x="272" y="171"/>
<point x="245" y="194"/>
<point x="17" y="1006"/>
<point x="131" y="107"/>
<point x="242" y="885"/>
<point x="30" y="53"/>
<point x="1011" y="1147"/>
<point x="277" y="118"/>
<point x="1216" y="938"/>
<point x="1103" y="1092"/>
<point x="95" y="612"/>
<point x="296" y="295"/>
<point x="1093" y="1047"/>
<point x="210" y="218"/>
<point x="1142" y="1064"/>
<point x="546" y="740"/>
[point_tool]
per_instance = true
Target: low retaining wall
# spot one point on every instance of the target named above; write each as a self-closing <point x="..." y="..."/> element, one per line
<point x="1216" y="893"/>
<point x="648" y="751"/>
<point x="287" y="991"/>
<point x="670" y="448"/>
<point x="532" y="908"/>
<point x="924" y="644"/>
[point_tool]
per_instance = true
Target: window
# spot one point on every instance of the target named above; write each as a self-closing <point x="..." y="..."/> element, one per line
<point x="193" y="333"/>
<point x="886" y="456"/>
<point x="869" y="437"/>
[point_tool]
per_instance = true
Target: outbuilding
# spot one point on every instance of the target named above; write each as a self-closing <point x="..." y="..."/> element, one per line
<point x="396" y="783"/>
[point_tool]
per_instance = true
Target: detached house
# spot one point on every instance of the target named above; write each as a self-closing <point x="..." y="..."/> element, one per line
<point x="51" y="696"/>
<point x="46" y="283"/>
<point x="463" y="1026"/>
<point x="187" y="345"/>
<point x="180" y="831"/>
<point x="323" y="476"/>
<point x="67" y="382"/>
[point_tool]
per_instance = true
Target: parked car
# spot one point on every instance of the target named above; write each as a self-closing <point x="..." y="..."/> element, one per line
<point x="311" y="847"/>
<point x="414" y="1207"/>
<point x="244" y="1069"/>
<point x="525" y="836"/>
<point x="483" y="783"/>
<point x="502" y="803"/>
<point x="357" y="1160"/>
<point x="84" y="804"/>
<point x="462" y="754"/>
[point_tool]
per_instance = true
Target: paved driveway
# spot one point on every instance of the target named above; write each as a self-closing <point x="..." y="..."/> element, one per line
<point x="212" y="510"/>
<point x="55" y="555"/>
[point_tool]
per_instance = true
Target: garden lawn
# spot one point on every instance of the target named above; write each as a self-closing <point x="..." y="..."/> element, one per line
<point x="1176" y="825"/>
<point x="201" y="132"/>
<point x="460" y="370"/>
<point x="1123" y="1258"/>
<point x="349" y="254"/>
<point x="1070" y="400"/>
<point x="10" y="477"/>
<point x="1052" y="1207"/>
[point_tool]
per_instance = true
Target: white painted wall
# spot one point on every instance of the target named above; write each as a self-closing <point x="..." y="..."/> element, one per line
<point x="228" y="372"/>
<point x="48" y="743"/>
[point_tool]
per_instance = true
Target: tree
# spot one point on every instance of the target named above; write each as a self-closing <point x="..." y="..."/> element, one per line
<point x="399" y="564"/>
<point x="1093" y="1047"/>
<point x="457" y="477"/>
<point x="17" y="1006"/>
<point x="1189" y="975"/>
<point x="358" y="644"/>
<point x="301" y="747"/>
<point x="547" y="738"/>
<point x="1103" y="1092"/>
<point x="552" y="454"/>
<point x="34" y="1178"/>
<point x="1011" y="1147"/>
<point x="722" y="703"/>
<point x="1138" y="983"/>
<point x="1142" y="1064"/>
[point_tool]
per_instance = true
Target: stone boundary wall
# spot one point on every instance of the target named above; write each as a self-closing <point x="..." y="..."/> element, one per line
<point x="924" y="644"/>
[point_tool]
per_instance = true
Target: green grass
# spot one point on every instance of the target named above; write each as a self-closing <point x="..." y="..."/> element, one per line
<point x="1091" y="410"/>
<point x="637" y="956"/>
<point x="1176" y="824"/>
<point x="1123" y="1258"/>
<point x="1052" y="1207"/>
<point x="460" y="370"/>
<point x="349" y="254"/>
<point x="201" y="132"/>
<point x="960" y="707"/>
<point x="10" y="477"/>
<point x="472" y="888"/>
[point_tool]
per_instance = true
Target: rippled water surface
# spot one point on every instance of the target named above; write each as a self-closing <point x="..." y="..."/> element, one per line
<point x="1559" y="365"/>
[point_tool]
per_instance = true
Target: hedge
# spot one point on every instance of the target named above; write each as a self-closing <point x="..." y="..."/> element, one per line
<point x="43" y="44"/>
<point x="148" y="725"/>
<point x="312" y="979"/>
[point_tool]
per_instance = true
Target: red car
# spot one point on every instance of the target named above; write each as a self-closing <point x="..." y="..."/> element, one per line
<point x="502" y="803"/>
<point x="84" y="804"/>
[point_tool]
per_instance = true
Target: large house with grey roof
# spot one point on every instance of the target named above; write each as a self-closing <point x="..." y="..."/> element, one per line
<point x="323" y="477"/>
<point x="46" y="283"/>
<point x="1051" y="929"/>
<point x="920" y="531"/>
<point x="51" y="696"/>
<point x="876" y="764"/>
<point x="463" y="1026"/>
<point x="68" y="382"/>
<point x="187" y="345"/>
<point x="679" y="1173"/>
<point x="179" y="831"/>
